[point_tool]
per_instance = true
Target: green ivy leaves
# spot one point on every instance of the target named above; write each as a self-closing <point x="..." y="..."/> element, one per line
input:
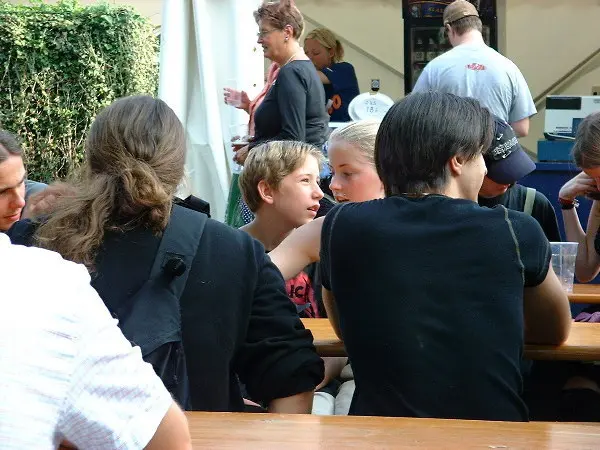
<point x="59" y="65"/>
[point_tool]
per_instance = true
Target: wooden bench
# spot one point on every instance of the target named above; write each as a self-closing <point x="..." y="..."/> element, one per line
<point x="583" y="343"/>
<point x="585" y="293"/>
<point x="282" y="431"/>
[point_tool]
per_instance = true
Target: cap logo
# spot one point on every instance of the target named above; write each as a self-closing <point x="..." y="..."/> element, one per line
<point x="503" y="151"/>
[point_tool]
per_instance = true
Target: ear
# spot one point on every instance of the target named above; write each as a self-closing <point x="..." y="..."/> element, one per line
<point x="455" y="165"/>
<point x="265" y="191"/>
<point x="289" y="32"/>
<point x="448" y="30"/>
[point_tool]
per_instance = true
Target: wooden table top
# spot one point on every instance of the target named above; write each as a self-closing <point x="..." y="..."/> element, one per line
<point x="585" y="293"/>
<point x="583" y="343"/>
<point x="280" y="431"/>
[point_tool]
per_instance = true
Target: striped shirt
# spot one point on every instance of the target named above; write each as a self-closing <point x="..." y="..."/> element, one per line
<point x="66" y="370"/>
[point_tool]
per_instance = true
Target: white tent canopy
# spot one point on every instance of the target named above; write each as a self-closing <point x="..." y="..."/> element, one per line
<point x="207" y="45"/>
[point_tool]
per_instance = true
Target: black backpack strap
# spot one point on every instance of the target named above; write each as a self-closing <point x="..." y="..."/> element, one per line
<point x="178" y="247"/>
<point x="154" y="317"/>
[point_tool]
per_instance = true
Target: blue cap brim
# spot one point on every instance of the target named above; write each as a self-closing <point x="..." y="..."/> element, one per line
<point x="511" y="169"/>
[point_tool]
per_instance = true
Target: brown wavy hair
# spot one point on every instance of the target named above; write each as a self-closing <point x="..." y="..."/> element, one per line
<point x="586" y="150"/>
<point x="135" y="156"/>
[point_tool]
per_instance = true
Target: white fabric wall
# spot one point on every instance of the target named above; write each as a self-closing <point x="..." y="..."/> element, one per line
<point x="205" y="46"/>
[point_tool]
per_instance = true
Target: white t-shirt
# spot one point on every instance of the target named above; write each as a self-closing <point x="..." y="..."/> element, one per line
<point x="478" y="71"/>
<point x="66" y="370"/>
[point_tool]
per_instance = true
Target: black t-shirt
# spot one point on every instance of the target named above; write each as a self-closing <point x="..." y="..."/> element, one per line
<point x="543" y="212"/>
<point x="294" y="107"/>
<point x="430" y="299"/>
<point x="236" y="316"/>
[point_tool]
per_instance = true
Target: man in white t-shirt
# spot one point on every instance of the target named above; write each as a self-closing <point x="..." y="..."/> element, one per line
<point x="67" y="373"/>
<point x="472" y="69"/>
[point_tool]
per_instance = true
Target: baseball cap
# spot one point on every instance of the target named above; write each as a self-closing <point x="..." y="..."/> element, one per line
<point x="506" y="160"/>
<point x="459" y="9"/>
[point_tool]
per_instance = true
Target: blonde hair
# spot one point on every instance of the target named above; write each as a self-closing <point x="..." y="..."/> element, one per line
<point x="360" y="134"/>
<point x="135" y="154"/>
<point x="328" y="39"/>
<point x="272" y="162"/>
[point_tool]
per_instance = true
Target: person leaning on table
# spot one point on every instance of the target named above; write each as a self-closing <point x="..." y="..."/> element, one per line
<point x="433" y="295"/>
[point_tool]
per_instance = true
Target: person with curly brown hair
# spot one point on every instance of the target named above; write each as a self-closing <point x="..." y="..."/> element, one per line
<point x="233" y="316"/>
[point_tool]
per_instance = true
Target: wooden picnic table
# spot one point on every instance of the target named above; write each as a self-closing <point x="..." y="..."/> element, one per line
<point x="585" y="293"/>
<point x="583" y="343"/>
<point x="289" y="432"/>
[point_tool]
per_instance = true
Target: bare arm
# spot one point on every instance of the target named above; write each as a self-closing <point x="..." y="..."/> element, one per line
<point x="173" y="431"/>
<point x="547" y="313"/>
<point x="587" y="264"/>
<point x="323" y="77"/>
<point x="333" y="369"/>
<point x="299" y="249"/>
<point x="521" y="127"/>
<point x="332" y="311"/>
<point x="296" y="404"/>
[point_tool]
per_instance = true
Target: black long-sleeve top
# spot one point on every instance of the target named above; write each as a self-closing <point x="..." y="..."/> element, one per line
<point x="236" y="315"/>
<point x="294" y="107"/>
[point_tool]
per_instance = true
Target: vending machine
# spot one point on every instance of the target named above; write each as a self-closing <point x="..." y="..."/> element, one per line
<point x="425" y="37"/>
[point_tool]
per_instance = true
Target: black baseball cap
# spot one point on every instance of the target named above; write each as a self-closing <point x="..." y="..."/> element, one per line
<point x="506" y="160"/>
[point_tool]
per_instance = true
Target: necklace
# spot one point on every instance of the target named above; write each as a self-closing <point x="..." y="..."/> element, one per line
<point x="291" y="57"/>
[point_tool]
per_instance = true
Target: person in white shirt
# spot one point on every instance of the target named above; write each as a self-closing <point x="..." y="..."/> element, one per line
<point x="67" y="373"/>
<point x="472" y="69"/>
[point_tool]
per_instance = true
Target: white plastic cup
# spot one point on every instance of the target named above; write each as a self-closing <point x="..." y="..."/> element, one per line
<point x="563" y="262"/>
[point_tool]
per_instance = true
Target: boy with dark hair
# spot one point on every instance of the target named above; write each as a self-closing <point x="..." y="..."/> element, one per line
<point x="453" y="289"/>
<point x="14" y="187"/>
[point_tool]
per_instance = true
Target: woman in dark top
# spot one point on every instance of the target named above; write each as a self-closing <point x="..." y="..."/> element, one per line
<point x="294" y="107"/>
<point x="236" y="318"/>
<point x="338" y="77"/>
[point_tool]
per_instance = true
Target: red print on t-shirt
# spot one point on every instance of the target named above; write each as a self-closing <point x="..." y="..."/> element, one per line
<point x="301" y="292"/>
<point x="475" y="66"/>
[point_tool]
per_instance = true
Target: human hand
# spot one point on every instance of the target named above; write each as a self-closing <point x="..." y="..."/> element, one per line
<point x="579" y="185"/>
<point x="45" y="201"/>
<point x="240" y="154"/>
<point x="238" y="142"/>
<point x="333" y="369"/>
<point x="235" y="98"/>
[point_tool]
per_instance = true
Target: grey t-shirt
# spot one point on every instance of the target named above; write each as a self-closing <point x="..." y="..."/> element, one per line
<point x="33" y="187"/>
<point x="478" y="71"/>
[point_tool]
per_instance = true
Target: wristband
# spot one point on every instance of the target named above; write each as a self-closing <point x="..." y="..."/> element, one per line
<point x="567" y="204"/>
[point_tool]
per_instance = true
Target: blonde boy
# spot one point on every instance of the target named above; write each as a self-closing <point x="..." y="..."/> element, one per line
<point x="280" y="185"/>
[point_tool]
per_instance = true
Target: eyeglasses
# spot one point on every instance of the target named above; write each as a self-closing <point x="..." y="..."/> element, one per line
<point x="262" y="34"/>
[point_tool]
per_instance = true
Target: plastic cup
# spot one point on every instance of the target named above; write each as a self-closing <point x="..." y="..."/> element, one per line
<point x="239" y="133"/>
<point x="563" y="262"/>
<point x="239" y="138"/>
<point x="232" y="93"/>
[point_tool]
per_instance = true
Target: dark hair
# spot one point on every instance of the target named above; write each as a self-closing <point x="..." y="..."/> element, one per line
<point x="586" y="150"/>
<point x="421" y="133"/>
<point x="281" y="13"/>
<point x="461" y="26"/>
<point x="9" y="146"/>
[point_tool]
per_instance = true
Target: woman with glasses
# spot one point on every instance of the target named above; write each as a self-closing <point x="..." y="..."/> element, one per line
<point x="294" y="107"/>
